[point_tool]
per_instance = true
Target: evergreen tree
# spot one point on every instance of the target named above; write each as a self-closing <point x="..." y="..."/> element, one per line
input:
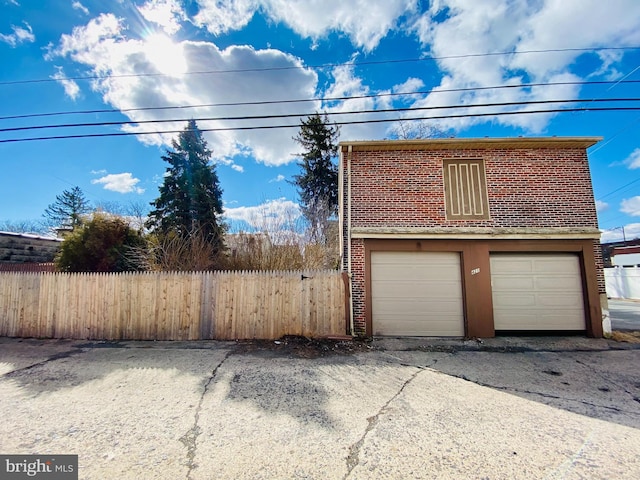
<point x="318" y="183"/>
<point x="68" y="209"/>
<point x="190" y="198"/>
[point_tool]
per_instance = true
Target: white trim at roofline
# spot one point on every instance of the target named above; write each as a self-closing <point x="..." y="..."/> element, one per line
<point x="472" y="143"/>
<point x="473" y="233"/>
<point x="31" y="235"/>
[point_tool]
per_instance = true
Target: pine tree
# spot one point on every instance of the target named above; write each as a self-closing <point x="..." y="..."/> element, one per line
<point x="68" y="209"/>
<point x="190" y="200"/>
<point x="318" y="183"/>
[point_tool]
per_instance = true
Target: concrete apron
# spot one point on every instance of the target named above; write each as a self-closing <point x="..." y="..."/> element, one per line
<point x="212" y="410"/>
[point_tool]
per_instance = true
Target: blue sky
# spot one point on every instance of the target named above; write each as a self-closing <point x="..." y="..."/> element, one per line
<point x="123" y="59"/>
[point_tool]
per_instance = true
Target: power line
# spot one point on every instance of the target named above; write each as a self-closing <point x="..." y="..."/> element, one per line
<point x="619" y="188"/>
<point x="617" y="134"/>
<point x="292" y="115"/>
<point x="350" y="122"/>
<point x="323" y="99"/>
<point x="324" y="65"/>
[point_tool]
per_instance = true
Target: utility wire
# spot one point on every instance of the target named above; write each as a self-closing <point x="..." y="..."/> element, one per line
<point x="291" y="115"/>
<point x="618" y="189"/>
<point x="324" y="65"/>
<point x="325" y="99"/>
<point x="350" y="122"/>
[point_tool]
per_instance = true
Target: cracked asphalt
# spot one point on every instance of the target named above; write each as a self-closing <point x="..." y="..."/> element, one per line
<point x="507" y="408"/>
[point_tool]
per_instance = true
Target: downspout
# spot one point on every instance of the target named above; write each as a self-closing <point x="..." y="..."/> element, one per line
<point x="351" y="324"/>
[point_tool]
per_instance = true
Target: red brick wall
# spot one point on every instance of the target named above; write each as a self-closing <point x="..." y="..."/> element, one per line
<point x="358" y="287"/>
<point x="526" y="187"/>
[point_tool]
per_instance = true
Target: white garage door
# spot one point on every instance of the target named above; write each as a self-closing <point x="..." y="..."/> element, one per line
<point x="537" y="292"/>
<point x="416" y="294"/>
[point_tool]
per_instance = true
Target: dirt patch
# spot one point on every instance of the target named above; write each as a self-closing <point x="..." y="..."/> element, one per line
<point x="628" y="337"/>
<point x="303" y="347"/>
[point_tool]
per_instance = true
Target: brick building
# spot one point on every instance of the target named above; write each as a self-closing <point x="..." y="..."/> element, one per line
<point x="466" y="237"/>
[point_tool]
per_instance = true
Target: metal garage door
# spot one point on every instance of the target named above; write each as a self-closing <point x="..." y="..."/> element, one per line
<point x="416" y="294"/>
<point x="537" y="292"/>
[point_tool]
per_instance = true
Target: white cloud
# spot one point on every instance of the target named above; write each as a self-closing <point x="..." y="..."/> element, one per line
<point x="455" y="28"/>
<point x="412" y="84"/>
<point x="221" y="16"/>
<point x="103" y="47"/>
<point x="98" y="34"/>
<point x="71" y="88"/>
<point x="279" y="178"/>
<point x="631" y="206"/>
<point x="586" y="23"/>
<point x="79" y="6"/>
<point x="608" y="58"/>
<point x="633" y="160"/>
<point x="166" y="13"/>
<point x="601" y="206"/>
<point x="365" y="22"/>
<point x="347" y="84"/>
<point x="237" y="168"/>
<point x="272" y="213"/>
<point x="119" y="182"/>
<point x="631" y="231"/>
<point x="312" y="19"/>
<point x="19" y="35"/>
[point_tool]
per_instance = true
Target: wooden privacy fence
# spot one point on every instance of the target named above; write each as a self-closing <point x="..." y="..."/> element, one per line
<point x="172" y="306"/>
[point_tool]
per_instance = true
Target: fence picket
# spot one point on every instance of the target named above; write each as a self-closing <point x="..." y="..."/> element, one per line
<point x="171" y="305"/>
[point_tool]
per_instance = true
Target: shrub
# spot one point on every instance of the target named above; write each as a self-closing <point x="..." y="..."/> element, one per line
<point x="102" y="244"/>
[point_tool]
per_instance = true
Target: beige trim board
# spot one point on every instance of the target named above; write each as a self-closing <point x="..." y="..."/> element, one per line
<point x="472" y="143"/>
<point x="476" y="233"/>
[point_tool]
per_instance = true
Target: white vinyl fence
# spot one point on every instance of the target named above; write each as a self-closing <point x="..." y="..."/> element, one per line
<point x="623" y="282"/>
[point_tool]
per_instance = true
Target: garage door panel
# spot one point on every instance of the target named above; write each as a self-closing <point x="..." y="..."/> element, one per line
<point x="533" y="300"/>
<point x="536" y="283"/>
<point x="559" y="265"/>
<point x="406" y="290"/>
<point x="547" y="295"/>
<point x="515" y="301"/>
<point x="547" y="322"/>
<point x="514" y="283"/>
<point x="562" y="283"/>
<point x="418" y="309"/>
<point x="415" y="328"/>
<point x="417" y="275"/>
<point x="416" y="294"/>
<point x="560" y="301"/>
<point x="516" y="266"/>
<point x="409" y="258"/>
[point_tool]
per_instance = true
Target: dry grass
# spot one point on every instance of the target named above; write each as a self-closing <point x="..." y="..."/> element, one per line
<point x="281" y="241"/>
<point x="174" y="253"/>
<point x="628" y="337"/>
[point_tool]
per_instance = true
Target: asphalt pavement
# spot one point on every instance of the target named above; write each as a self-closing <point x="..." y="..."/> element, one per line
<point x="506" y="408"/>
<point x="625" y="314"/>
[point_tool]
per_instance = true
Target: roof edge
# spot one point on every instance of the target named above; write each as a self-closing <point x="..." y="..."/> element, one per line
<point x="485" y="142"/>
